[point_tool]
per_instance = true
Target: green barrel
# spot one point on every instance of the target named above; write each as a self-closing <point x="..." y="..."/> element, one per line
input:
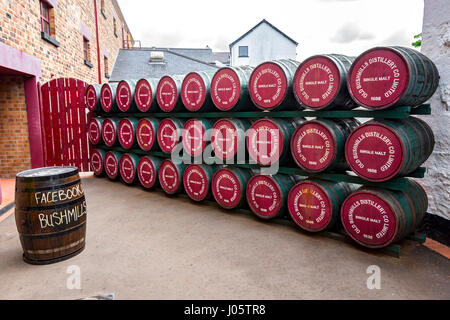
<point x="228" y="139"/>
<point x="170" y="176"/>
<point x="388" y="77"/>
<point x="111" y="165"/>
<point x="195" y="91"/>
<point x="108" y="97"/>
<point x="147" y="171"/>
<point x="96" y="161"/>
<point x="109" y="131"/>
<point x="314" y="205"/>
<point x="229" y="89"/>
<point x="376" y="217"/>
<point x="229" y="187"/>
<point x="126" y="133"/>
<point x="267" y="195"/>
<point x="93" y="97"/>
<point x="197" y="180"/>
<point x="319" y="145"/>
<point x="144" y="95"/>
<point x="196" y="135"/>
<point x="168" y="93"/>
<point x="382" y="149"/>
<point x="128" y="168"/>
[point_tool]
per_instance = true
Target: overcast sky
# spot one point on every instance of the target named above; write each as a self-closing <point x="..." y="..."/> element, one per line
<point x="319" y="26"/>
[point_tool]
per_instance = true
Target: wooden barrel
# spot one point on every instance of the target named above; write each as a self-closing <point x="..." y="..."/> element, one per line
<point x="97" y="160"/>
<point x="170" y="134"/>
<point x="170" y="176"/>
<point x="268" y="139"/>
<point x="376" y="217"/>
<point x="168" y="93"/>
<point x="108" y="97"/>
<point x="50" y="214"/>
<point x="197" y="180"/>
<point x="146" y="133"/>
<point x="267" y="195"/>
<point x="320" y="82"/>
<point x="383" y="149"/>
<point x="196" y="135"/>
<point x="195" y="91"/>
<point x="125" y="96"/>
<point x="147" y="171"/>
<point x="109" y="131"/>
<point x="319" y="145"/>
<point x="95" y="130"/>
<point x="271" y="85"/>
<point x="111" y="164"/>
<point x="229" y="185"/>
<point x="229" y="89"/>
<point x="144" y="95"/>
<point x="93" y="97"/>
<point x="126" y="132"/>
<point x="315" y="205"/>
<point x="387" y="77"/>
<point x="228" y="138"/>
<point x="128" y="164"/>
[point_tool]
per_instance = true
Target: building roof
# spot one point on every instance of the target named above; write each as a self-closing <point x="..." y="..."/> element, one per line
<point x="222" y="57"/>
<point x="268" y="23"/>
<point x="134" y="64"/>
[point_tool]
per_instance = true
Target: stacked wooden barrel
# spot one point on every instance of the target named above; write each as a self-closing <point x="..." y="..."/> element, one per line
<point x="161" y="125"/>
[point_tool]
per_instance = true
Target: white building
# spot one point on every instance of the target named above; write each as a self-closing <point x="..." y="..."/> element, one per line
<point x="263" y="42"/>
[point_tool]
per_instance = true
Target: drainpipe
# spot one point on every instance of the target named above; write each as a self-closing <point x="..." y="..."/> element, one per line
<point x="98" y="44"/>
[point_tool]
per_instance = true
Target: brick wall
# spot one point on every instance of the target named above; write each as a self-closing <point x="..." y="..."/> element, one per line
<point x="20" y="28"/>
<point x="14" y="146"/>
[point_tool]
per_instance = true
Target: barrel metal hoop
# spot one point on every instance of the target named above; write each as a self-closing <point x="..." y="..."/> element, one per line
<point x="56" y="250"/>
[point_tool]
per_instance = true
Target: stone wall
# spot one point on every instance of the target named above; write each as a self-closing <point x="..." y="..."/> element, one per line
<point x="436" y="45"/>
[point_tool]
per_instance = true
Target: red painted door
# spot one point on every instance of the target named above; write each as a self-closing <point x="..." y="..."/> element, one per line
<point x="64" y="117"/>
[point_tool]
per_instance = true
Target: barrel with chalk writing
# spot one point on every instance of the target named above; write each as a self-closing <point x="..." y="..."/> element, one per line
<point x="50" y="214"/>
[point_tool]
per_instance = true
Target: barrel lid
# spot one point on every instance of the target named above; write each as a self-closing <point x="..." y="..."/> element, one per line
<point x="169" y="177"/>
<point x="47" y="172"/>
<point x="124" y="96"/>
<point x="194" y="137"/>
<point x="146" y="172"/>
<point x="91" y="98"/>
<point x="96" y="162"/>
<point x="127" y="168"/>
<point x="106" y="97"/>
<point x="378" y="77"/>
<point x="375" y="152"/>
<point x="111" y="165"/>
<point x="226" y="188"/>
<point x="109" y="132"/>
<point x="143" y="95"/>
<point x="225" y="89"/>
<point x="316" y="82"/>
<point x="193" y="91"/>
<point x="310" y="206"/>
<point x="224" y="139"/>
<point x="265" y="142"/>
<point x="167" y="94"/>
<point x="126" y="133"/>
<point x="95" y="131"/>
<point x="196" y="182"/>
<point x="168" y="135"/>
<point x="264" y="196"/>
<point x="313" y="146"/>
<point x="145" y="134"/>
<point x="268" y="85"/>
<point x="369" y="219"/>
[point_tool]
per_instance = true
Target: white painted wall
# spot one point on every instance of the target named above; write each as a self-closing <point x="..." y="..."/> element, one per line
<point x="264" y="44"/>
<point x="436" y="46"/>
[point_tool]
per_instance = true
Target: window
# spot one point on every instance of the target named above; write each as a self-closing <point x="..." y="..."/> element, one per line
<point x="102" y="8"/>
<point x="87" y="53"/>
<point x="106" y="67"/>
<point x="47" y="23"/>
<point x="243" y="51"/>
<point x="115" y="27"/>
